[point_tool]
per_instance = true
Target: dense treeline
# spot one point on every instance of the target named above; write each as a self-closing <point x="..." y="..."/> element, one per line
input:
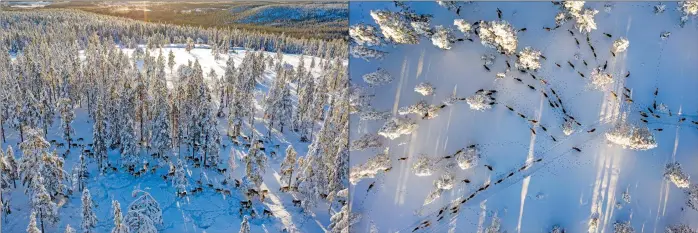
<point x="154" y="113"/>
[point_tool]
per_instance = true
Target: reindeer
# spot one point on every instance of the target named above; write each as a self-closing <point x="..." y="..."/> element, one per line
<point x="296" y="202"/>
<point x="267" y="213"/>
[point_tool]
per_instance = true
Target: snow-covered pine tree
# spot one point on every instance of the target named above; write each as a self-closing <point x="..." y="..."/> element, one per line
<point x="119" y="225"/>
<point x="52" y="173"/>
<point x="32" y="228"/>
<point x="341" y="221"/>
<point x="171" y="61"/>
<point x="244" y="225"/>
<point x="69" y="229"/>
<point x="89" y="218"/>
<point x="129" y="148"/>
<point x="65" y="107"/>
<point x="33" y="149"/>
<point x="161" y="140"/>
<point x="287" y="166"/>
<point x="11" y="165"/>
<point x="144" y="213"/>
<point x="44" y="207"/>
<point x="255" y="164"/>
<point x="179" y="180"/>
<point x="99" y="137"/>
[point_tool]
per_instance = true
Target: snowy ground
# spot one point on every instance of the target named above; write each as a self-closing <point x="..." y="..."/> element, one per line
<point x="205" y="212"/>
<point x="566" y="187"/>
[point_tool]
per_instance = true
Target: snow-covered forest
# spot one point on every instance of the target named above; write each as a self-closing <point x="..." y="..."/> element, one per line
<point x="117" y="125"/>
<point x="523" y="116"/>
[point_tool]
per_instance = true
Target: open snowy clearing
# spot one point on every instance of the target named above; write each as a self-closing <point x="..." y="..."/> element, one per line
<point x="531" y="178"/>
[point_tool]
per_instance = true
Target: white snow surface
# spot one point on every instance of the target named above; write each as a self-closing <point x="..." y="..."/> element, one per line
<point x="578" y="186"/>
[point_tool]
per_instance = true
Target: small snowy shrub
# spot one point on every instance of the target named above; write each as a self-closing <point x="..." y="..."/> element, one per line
<point x="479" y="101"/>
<point x="359" y="51"/>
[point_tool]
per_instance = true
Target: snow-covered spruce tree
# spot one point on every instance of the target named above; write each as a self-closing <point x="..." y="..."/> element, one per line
<point x="467" y="158"/>
<point x="479" y="101"/>
<point x="442" y="37"/>
<point x="360" y="51"/>
<point x="574" y="10"/>
<point x="424" y="88"/>
<point x="673" y="173"/>
<point x="620" y="45"/>
<point x="119" y="225"/>
<point x="370" y="168"/>
<point x="244" y="225"/>
<point x="171" y="61"/>
<point x="557" y="229"/>
<point x="52" y="173"/>
<point x="144" y="213"/>
<point x="32" y="228"/>
<point x="34" y="148"/>
<point x="255" y="164"/>
<point x="99" y="137"/>
<point x="288" y="165"/>
<point x="600" y="79"/>
<point x="305" y="93"/>
<point x="69" y="229"/>
<point x="499" y="35"/>
<point x="366" y="141"/>
<point x="11" y="165"/>
<point x="495" y="225"/>
<point x="463" y="26"/>
<point x="212" y="138"/>
<point x="529" y="59"/>
<point x="232" y="165"/>
<point x="623" y="227"/>
<point x="681" y="228"/>
<point x="89" y="218"/>
<point x="688" y="9"/>
<point x="632" y="137"/>
<point x="379" y="77"/>
<point x="396" y="127"/>
<point x="161" y="140"/>
<point x="423" y="166"/>
<point x="44" y="207"/>
<point x="364" y="34"/>
<point x="371" y="114"/>
<point x="342" y="221"/>
<point x="127" y="137"/>
<point x="65" y="107"/>
<point x="395" y="27"/>
<point x="179" y="181"/>
<point x="692" y="199"/>
<point x="80" y="173"/>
